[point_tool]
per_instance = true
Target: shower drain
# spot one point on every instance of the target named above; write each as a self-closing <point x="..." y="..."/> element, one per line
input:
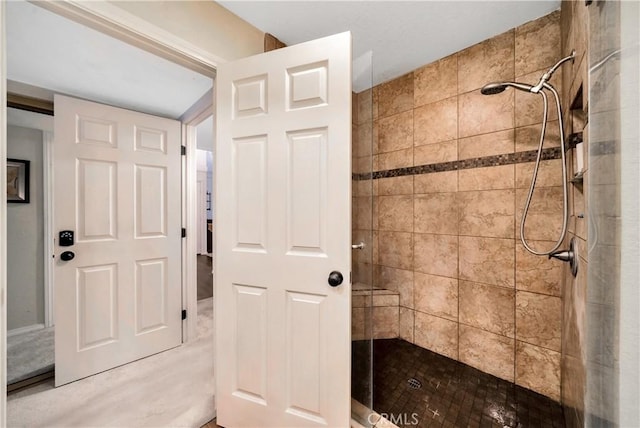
<point x="414" y="383"/>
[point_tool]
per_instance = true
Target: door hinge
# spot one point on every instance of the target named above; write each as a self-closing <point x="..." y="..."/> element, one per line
<point x="184" y="314"/>
<point x="184" y="232"/>
<point x="183" y="150"/>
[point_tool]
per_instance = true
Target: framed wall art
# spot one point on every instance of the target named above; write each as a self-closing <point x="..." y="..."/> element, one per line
<point x="18" y="181"/>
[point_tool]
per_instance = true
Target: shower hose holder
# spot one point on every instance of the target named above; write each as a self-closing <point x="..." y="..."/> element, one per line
<point x="570" y="256"/>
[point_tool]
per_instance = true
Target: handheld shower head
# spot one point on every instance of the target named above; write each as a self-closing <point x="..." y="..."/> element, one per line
<point x="493" y="88"/>
<point x="498" y="87"/>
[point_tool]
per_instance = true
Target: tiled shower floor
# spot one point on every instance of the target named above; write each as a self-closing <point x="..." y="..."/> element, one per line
<point x="451" y="394"/>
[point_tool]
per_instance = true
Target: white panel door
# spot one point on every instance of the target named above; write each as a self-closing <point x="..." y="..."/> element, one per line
<point x="283" y="224"/>
<point x="117" y="187"/>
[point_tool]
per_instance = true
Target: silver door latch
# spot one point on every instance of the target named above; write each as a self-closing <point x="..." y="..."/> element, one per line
<point x="359" y="246"/>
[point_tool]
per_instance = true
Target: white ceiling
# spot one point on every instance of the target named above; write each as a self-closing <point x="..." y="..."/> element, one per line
<point x="52" y="52"/>
<point x="403" y="35"/>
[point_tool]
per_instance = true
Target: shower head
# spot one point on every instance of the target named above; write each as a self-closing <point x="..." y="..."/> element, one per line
<point x="493" y="88"/>
<point x="497" y="87"/>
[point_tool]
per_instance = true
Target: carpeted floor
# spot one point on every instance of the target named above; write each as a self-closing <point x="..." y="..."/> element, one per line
<point x="172" y="388"/>
<point x="32" y="353"/>
<point x="29" y="354"/>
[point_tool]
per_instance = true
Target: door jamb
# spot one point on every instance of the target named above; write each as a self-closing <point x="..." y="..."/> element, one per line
<point x="190" y="214"/>
<point x="130" y="29"/>
<point x="47" y="177"/>
<point x="3" y="218"/>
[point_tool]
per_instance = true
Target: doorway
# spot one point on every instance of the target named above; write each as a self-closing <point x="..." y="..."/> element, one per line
<point x="30" y="330"/>
<point x="29" y="88"/>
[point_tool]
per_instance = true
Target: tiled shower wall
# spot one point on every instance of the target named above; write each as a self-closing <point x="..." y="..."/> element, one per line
<point x="574" y="35"/>
<point x="446" y="235"/>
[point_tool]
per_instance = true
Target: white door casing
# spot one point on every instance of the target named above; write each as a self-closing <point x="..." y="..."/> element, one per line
<point x="283" y="223"/>
<point x="117" y="184"/>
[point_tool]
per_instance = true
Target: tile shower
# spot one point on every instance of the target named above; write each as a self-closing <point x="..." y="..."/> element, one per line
<point x="451" y="172"/>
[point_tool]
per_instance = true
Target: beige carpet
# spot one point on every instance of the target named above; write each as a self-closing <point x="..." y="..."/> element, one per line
<point x="174" y="388"/>
<point x="29" y="354"/>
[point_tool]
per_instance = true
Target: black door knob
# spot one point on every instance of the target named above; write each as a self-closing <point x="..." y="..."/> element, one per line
<point x="67" y="255"/>
<point x="335" y="278"/>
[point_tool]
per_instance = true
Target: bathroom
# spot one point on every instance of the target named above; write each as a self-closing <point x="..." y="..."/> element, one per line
<point x="444" y="289"/>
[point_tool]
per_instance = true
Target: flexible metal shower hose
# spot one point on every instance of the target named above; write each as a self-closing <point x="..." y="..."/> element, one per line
<point x="535" y="175"/>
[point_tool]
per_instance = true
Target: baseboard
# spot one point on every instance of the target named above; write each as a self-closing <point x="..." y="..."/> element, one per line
<point x="25" y="329"/>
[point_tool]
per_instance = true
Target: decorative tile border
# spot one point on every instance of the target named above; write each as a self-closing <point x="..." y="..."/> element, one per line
<point x="497" y="160"/>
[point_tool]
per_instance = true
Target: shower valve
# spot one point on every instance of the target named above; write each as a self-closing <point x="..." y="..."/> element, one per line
<point x="570" y="255"/>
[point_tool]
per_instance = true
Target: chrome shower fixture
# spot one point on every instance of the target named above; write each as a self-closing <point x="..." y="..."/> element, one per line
<point x="496" y="88"/>
<point x="543" y="83"/>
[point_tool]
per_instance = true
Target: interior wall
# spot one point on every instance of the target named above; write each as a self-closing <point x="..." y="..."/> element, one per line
<point x="574" y="25"/>
<point x="25" y="232"/>
<point x="453" y="169"/>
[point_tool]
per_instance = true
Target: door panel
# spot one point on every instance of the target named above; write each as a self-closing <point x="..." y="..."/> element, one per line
<point x="283" y="165"/>
<point x="117" y="186"/>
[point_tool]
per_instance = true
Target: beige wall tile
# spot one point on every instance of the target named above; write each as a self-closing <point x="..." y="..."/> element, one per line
<point x="365" y="106"/>
<point x="446" y="181"/>
<point x="487" y="351"/>
<point x="436" y="254"/>
<point x="436" y="81"/>
<point x="549" y="174"/>
<point x="481" y="114"/>
<point x="397" y="280"/>
<point x="396" y="249"/>
<point x="365" y="188"/>
<point x="436" y="122"/>
<point x="406" y="324"/>
<point x="395" y="96"/>
<point x="365" y="164"/>
<point x="573" y="390"/>
<point x="490" y="178"/>
<point x="363" y="146"/>
<point x="436" y="295"/>
<point x="362" y="212"/>
<point x="395" y="213"/>
<point x="385" y="299"/>
<point x="488" y="61"/>
<point x="528" y="137"/>
<point x="436" y="213"/>
<point x="360" y="324"/>
<point x="435" y="153"/>
<point x="538" y="319"/>
<point x="487" y="307"/>
<point x="495" y="143"/>
<point x="487" y="260"/>
<point x="487" y="213"/>
<point x="395" y="185"/>
<point x="537" y="44"/>
<point x="397" y="159"/>
<point x="386" y="322"/>
<point x="395" y="132"/>
<point x="537" y="274"/>
<point x="436" y="334"/>
<point x="529" y="107"/>
<point x="544" y="219"/>
<point x="538" y="369"/>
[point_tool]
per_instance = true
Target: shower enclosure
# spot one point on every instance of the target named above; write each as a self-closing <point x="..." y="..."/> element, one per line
<point x="363" y="241"/>
<point x="454" y="323"/>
